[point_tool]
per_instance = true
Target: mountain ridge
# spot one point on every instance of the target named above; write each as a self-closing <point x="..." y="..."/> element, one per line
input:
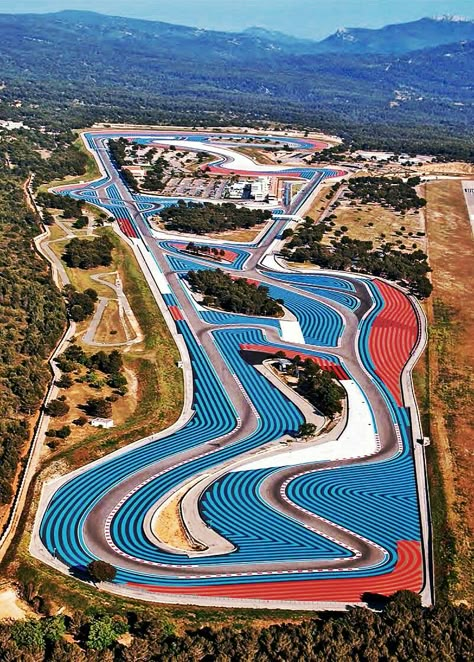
<point x="396" y="39"/>
<point x="399" y="38"/>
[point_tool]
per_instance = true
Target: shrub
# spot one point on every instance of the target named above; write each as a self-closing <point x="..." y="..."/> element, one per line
<point x="56" y="408"/>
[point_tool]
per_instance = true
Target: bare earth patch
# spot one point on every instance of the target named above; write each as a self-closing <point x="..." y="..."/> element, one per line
<point x="448" y="169"/>
<point x="110" y="329"/>
<point x="11" y="606"/>
<point x="168" y="525"/>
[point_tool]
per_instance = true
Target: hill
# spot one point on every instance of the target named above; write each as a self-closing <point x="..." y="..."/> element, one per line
<point x="92" y="67"/>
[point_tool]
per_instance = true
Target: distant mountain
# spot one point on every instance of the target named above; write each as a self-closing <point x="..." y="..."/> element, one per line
<point x="398" y="39"/>
<point x="282" y="41"/>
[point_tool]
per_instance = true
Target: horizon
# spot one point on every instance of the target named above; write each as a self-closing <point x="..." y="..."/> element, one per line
<point x="298" y="18"/>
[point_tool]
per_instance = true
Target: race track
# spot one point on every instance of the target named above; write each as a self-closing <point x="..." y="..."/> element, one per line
<point x="275" y="524"/>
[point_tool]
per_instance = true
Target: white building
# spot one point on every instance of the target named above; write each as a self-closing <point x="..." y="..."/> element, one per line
<point x="102" y="422"/>
<point x="260" y="188"/>
<point x="236" y="191"/>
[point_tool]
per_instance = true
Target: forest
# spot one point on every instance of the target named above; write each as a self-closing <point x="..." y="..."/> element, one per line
<point x="408" y="269"/>
<point x="32" y="311"/>
<point x="404" y="632"/>
<point x="234" y="295"/>
<point x="202" y="218"/>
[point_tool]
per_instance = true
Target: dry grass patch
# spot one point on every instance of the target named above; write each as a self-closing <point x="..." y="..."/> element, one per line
<point x="55" y="233"/>
<point x="111" y="329"/>
<point x="372" y="222"/>
<point x="453" y="168"/>
<point x="77" y="396"/>
<point x="320" y="202"/>
<point x="239" y="235"/>
<point x="451" y="365"/>
<point x="257" y="155"/>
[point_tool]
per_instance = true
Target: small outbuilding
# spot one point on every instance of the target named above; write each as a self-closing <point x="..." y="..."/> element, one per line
<point x="102" y="422"/>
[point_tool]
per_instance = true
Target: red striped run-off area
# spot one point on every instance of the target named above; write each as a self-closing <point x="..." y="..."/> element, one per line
<point x="393" y="336"/>
<point x="127" y="228"/>
<point x="406" y="575"/>
<point x="176" y="313"/>
<point x="325" y="364"/>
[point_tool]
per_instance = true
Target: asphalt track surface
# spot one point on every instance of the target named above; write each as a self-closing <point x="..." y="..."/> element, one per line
<point x="297" y="535"/>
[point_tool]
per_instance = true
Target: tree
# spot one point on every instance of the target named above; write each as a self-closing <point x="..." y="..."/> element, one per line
<point x="91" y="293"/>
<point x="109" y="363"/>
<point x="99" y="407"/>
<point x="76" y="354"/>
<point x="65" y="381"/>
<point x="306" y="431"/>
<point x="81" y="421"/>
<point x="56" y="408"/>
<point x="80" y="304"/>
<point x="117" y="380"/>
<point x="320" y="388"/>
<point x="53" y="628"/>
<point x="63" y="433"/>
<point x="101" y="571"/>
<point x="28" y="634"/>
<point x="81" y="222"/>
<point x="104" y="631"/>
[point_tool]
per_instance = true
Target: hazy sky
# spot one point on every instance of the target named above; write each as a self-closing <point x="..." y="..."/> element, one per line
<point x="308" y="18"/>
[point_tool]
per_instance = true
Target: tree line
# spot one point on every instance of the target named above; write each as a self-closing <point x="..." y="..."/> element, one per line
<point x="408" y="269"/>
<point x="388" y="191"/>
<point x="404" y="631"/>
<point x="117" y="148"/>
